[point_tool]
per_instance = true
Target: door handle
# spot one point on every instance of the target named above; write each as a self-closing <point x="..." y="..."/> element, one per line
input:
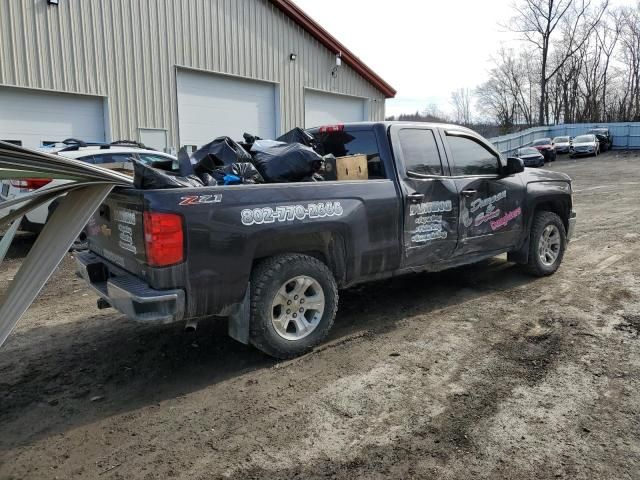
<point x="415" y="197"/>
<point x="469" y="193"/>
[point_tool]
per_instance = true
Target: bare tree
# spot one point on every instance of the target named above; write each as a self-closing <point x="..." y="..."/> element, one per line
<point x="496" y="102"/>
<point x="541" y="21"/>
<point x="461" y="102"/>
<point x="630" y="56"/>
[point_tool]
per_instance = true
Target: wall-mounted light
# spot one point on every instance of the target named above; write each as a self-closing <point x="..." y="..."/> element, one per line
<point x="52" y="2"/>
<point x="334" y="70"/>
<point x="293" y="57"/>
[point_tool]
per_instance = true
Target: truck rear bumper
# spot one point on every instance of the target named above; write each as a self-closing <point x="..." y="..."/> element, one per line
<point x="572" y="226"/>
<point x="128" y="294"/>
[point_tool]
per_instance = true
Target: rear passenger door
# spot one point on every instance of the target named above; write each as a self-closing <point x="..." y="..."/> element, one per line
<point x="430" y="198"/>
<point x="490" y="203"/>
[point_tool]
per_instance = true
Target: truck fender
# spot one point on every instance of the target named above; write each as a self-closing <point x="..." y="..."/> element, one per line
<point x="556" y="203"/>
<point x="332" y="248"/>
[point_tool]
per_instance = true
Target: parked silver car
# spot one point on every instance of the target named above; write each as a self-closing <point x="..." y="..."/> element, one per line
<point x="585" y="145"/>
<point x="563" y="144"/>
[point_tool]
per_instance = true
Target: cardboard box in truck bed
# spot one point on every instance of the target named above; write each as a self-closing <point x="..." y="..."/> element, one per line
<point x="352" y="167"/>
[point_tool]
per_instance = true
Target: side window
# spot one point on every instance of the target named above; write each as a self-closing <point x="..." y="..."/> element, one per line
<point x="17" y="143"/>
<point x="471" y="158"/>
<point x="113" y="158"/>
<point x="420" y="151"/>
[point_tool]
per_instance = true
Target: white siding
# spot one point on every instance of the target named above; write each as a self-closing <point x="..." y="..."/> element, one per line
<point x="130" y="51"/>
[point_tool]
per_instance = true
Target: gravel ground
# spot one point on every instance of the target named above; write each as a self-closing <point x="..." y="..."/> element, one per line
<point x="478" y="372"/>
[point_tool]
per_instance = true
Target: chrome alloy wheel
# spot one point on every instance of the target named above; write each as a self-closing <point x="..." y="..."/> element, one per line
<point x="549" y="245"/>
<point x="297" y="308"/>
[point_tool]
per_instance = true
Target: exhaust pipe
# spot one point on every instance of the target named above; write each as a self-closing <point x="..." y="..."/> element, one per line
<point x="191" y="326"/>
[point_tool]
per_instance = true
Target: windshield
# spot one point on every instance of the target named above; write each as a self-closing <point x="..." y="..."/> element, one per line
<point x="542" y="141"/>
<point x="561" y="140"/>
<point x="528" y="151"/>
<point x="583" y="139"/>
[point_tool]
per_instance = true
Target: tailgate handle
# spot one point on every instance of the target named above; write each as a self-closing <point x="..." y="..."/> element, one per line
<point x="469" y="193"/>
<point x="105" y="211"/>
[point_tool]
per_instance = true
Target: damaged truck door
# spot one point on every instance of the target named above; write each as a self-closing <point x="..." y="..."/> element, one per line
<point x="491" y="202"/>
<point x="430" y="197"/>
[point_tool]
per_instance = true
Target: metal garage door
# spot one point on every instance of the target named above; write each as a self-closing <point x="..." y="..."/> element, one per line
<point x="33" y="117"/>
<point x="328" y="108"/>
<point x="211" y="106"/>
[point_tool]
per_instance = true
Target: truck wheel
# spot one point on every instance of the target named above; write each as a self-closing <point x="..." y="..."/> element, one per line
<point x="547" y="244"/>
<point x="294" y="299"/>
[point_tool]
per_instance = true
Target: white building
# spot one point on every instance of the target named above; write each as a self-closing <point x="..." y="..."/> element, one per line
<point x="173" y="72"/>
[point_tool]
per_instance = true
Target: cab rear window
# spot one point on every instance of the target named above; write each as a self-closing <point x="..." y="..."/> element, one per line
<point x="353" y="142"/>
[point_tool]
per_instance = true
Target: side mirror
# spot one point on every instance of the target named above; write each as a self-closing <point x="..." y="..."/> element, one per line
<point x="514" y="165"/>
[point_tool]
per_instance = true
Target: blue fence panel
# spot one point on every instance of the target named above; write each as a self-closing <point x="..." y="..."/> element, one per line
<point x="625" y="135"/>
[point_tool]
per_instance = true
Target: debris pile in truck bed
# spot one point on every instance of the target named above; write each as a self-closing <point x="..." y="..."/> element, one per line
<point x="293" y="157"/>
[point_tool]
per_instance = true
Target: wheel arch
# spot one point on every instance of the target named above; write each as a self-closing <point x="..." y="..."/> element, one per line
<point x="327" y="246"/>
<point x="558" y="203"/>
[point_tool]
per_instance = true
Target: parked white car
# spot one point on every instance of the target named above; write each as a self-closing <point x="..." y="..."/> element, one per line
<point x="563" y="144"/>
<point x="116" y="156"/>
<point x="584" y="145"/>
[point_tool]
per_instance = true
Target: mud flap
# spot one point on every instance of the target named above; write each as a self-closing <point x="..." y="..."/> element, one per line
<point x="240" y="319"/>
<point x="521" y="256"/>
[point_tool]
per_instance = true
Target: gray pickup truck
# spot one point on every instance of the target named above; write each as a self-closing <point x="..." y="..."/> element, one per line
<point x="272" y="257"/>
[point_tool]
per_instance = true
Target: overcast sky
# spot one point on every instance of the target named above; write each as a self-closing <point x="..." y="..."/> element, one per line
<point x="424" y="48"/>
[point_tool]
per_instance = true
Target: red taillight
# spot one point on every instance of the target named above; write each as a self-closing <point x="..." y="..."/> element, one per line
<point x="163" y="238"/>
<point x="30" y="183"/>
<point x="331" y="128"/>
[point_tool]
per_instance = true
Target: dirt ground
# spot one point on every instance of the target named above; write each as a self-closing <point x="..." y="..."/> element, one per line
<point x="479" y="372"/>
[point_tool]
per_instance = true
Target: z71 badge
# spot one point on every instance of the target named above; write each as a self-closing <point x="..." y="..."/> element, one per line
<point x="200" y="199"/>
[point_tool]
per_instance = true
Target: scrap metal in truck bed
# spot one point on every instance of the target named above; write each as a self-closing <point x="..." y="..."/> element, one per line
<point x="272" y="257"/>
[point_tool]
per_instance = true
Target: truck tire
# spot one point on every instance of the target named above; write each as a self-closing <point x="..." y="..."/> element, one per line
<point x="294" y="299"/>
<point x="547" y="244"/>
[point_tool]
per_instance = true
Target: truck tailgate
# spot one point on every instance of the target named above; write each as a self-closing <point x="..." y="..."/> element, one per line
<point x="116" y="230"/>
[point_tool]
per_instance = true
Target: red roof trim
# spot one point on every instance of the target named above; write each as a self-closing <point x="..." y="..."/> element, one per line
<point x="297" y="15"/>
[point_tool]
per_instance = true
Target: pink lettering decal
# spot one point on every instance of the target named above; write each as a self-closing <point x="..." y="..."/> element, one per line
<point x="503" y="221"/>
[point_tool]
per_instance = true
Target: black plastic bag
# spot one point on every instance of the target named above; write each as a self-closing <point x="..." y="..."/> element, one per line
<point x="298" y="135"/>
<point x="287" y="162"/>
<point x="208" y="180"/>
<point x="246" y="173"/>
<point x="250" y="139"/>
<point x="184" y="162"/>
<point x="149" y="178"/>
<point x="221" y="152"/>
